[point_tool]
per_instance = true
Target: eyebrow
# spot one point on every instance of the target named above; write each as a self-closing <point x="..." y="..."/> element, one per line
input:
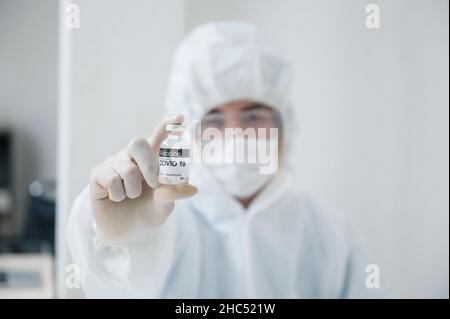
<point x="255" y="106"/>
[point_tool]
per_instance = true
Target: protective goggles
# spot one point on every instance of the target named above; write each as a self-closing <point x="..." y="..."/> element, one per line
<point x="252" y="118"/>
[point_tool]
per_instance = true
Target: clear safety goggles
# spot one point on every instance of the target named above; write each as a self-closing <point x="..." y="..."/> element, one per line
<point x="244" y="119"/>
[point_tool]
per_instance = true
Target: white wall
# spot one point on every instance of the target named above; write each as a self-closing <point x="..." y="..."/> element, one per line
<point x="372" y="105"/>
<point x="373" y="111"/>
<point x="28" y="91"/>
<point x="118" y="70"/>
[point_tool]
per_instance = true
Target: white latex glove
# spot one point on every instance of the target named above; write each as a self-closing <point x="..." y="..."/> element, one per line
<point x="127" y="200"/>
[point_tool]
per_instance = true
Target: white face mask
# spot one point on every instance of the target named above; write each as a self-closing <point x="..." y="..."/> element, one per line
<point x="240" y="180"/>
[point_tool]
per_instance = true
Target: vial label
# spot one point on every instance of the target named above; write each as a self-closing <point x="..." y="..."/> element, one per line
<point x="174" y="165"/>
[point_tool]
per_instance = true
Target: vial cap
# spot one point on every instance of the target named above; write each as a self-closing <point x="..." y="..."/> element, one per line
<point x="175" y="127"/>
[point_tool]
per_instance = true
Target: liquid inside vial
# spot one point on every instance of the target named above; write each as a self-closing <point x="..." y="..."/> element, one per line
<point x="174" y="156"/>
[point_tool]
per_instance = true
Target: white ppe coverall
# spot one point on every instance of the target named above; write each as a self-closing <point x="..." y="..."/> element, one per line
<point x="284" y="245"/>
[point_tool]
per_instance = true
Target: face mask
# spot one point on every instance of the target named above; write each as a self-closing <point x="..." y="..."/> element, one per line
<point x="240" y="180"/>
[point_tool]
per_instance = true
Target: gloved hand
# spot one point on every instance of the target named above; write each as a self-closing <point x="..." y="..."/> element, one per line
<point x="126" y="198"/>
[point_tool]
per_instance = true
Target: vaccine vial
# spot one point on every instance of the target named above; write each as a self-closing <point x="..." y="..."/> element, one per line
<point x="174" y="156"/>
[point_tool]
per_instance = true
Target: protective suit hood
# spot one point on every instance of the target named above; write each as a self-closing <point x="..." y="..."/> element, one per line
<point x="220" y="62"/>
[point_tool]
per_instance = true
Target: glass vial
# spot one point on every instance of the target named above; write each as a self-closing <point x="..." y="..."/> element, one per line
<point x="174" y="156"/>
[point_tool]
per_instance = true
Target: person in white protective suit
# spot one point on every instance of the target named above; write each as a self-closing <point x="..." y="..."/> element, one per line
<point x="236" y="233"/>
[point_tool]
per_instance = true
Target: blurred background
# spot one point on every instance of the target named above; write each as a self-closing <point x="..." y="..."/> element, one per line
<point x="372" y="107"/>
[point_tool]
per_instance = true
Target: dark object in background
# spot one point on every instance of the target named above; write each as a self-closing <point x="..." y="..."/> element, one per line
<point x="15" y="245"/>
<point x="5" y="159"/>
<point x="39" y="230"/>
<point x="40" y="219"/>
<point x="6" y="200"/>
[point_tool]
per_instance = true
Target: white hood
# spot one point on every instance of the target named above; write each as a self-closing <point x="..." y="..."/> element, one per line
<point x="221" y="62"/>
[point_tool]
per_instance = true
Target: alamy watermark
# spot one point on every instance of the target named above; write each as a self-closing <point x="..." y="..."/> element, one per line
<point x="373" y="16"/>
<point x="72" y="16"/>
<point x="373" y="277"/>
<point x="72" y="276"/>
<point x="252" y="145"/>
